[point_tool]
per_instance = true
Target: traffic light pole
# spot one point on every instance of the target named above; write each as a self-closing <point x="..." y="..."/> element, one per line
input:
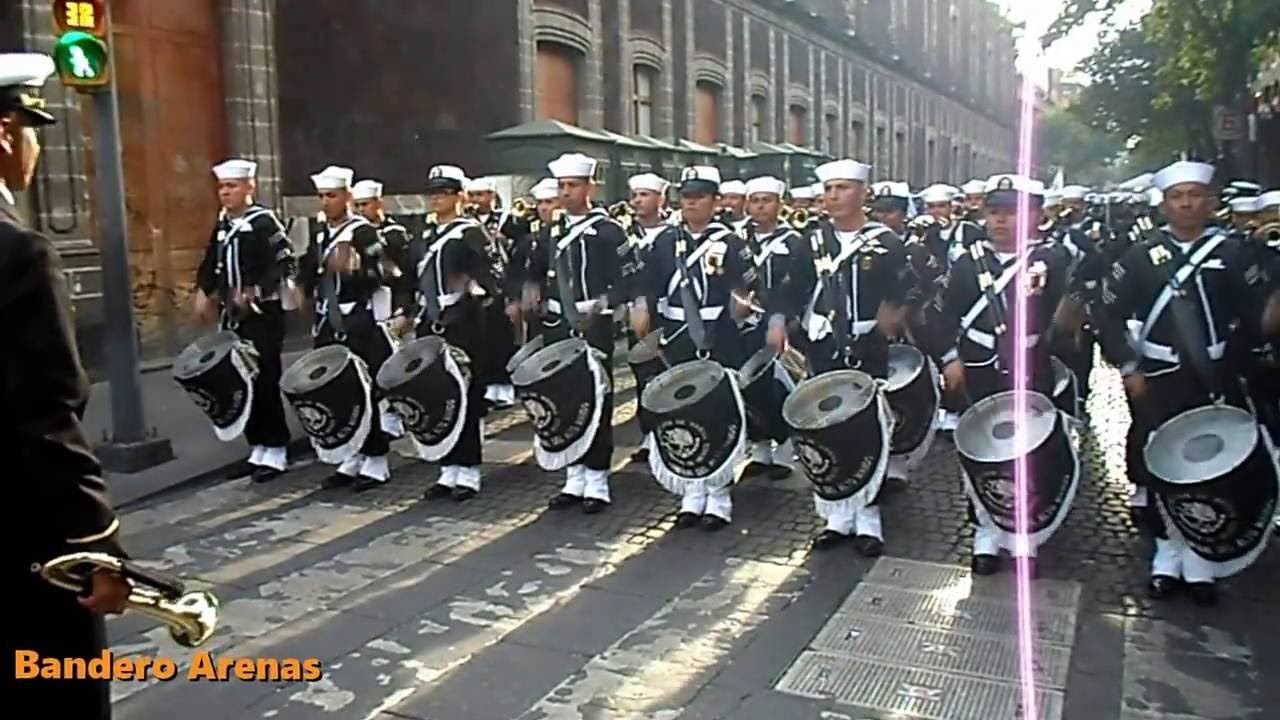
<point x="131" y="447"/>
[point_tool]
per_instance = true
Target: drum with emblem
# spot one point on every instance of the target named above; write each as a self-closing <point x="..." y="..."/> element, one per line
<point x="913" y="395"/>
<point x="218" y="372"/>
<point x="563" y="388"/>
<point x="425" y="384"/>
<point x="646" y="361"/>
<point x="766" y="379"/>
<point x="331" y="391"/>
<point x="699" y="425"/>
<point x="1215" y="477"/>
<point x="840" y="427"/>
<point x="525" y="352"/>
<point x="1065" y="392"/>
<point x="998" y="434"/>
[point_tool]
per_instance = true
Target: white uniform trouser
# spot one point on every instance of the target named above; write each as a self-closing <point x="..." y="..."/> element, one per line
<point x="459" y="476"/>
<point x="861" y="521"/>
<point x="1174" y="559"/>
<point x="767" y="452"/>
<point x="988" y="541"/>
<point x="581" y="481"/>
<point x="897" y="468"/>
<point x="704" y="502"/>
<point x="374" y="468"/>
<point x="276" y="458"/>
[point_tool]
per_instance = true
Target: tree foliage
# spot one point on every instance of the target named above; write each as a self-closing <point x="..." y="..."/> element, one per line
<point x="1085" y="154"/>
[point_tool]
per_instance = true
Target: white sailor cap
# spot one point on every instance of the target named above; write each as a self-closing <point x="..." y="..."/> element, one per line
<point x="20" y="74"/>
<point x="333" y="178"/>
<point x="1268" y="199"/>
<point x="446" y="177"/>
<point x="546" y="189"/>
<point x="892" y="189"/>
<point x="235" y="169"/>
<point x="700" y="177"/>
<point x="366" y="190"/>
<point x="975" y="187"/>
<point x="733" y="187"/>
<point x="845" y="169"/>
<point x="1052" y="198"/>
<point x="1184" y="171"/>
<point x="573" y="165"/>
<point x="483" y="184"/>
<point x="1246" y="187"/>
<point x="765" y="184"/>
<point x="938" y="193"/>
<point x="1245" y="204"/>
<point x="1074" y="192"/>
<point x="804" y="192"/>
<point x="647" y="181"/>
<point x="818" y="189"/>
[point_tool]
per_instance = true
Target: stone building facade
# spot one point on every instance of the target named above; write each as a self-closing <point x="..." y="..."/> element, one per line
<point x="923" y="89"/>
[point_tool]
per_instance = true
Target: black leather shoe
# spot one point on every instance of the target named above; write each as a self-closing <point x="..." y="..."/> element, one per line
<point x="437" y="491"/>
<point x="827" y="539"/>
<point x="778" y="472"/>
<point x="563" y="501"/>
<point x="463" y="494"/>
<point x="893" y="485"/>
<point x="336" y="480"/>
<point x="686" y="520"/>
<point x="366" y="483"/>
<point x="1162" y="586"/>
<point x="1204" y="594"/>
<point x="868" y="546"/>
<point x="591" y="506"/>
<point x="985" y="564"/>
<point x="713" y="523"/>
<point x="265" y="474"/>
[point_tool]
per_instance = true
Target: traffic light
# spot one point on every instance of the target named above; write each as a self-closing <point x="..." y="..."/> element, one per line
<point x="81" y="53"/>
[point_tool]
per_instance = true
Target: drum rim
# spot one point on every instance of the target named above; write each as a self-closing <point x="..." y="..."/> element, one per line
<point x="1055" y="362"/>
<point x="652" y="349"/>
<point x="579" y="345"/>
<point x="761" y="366"/>
<point x="663" y="379"/>
<point x="920" y="370"/>
<point x="524" y="353"/>
<point x="794" y="397"/>
<point x="396" y="361"/>
<point x="294" y="370"/>
<point x="187" y="361"/>
<point x="958" y="437"/>
<point x="1245" y="416"/>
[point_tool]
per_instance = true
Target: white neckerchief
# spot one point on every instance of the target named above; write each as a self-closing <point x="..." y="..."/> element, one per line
<point x="7" y="195"/>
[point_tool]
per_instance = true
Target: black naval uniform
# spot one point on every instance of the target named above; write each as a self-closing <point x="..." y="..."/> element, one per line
<point x="360" y="331"/>
<point x="639" y="245"/>
<point x="397" y="254"/>
<point x="1084" y="242"/>
<point x="59" y="495"/>
<point x="1259" y="357"/>
<point x="503" y="236"/>
<point x="1224" y="291"/>
<point x="252" y="251"/>
<point x="593" y="258"/>
<point x="452" y="256"/>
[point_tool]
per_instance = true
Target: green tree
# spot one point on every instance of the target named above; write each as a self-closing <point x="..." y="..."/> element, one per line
<point x="1085" y="154"/>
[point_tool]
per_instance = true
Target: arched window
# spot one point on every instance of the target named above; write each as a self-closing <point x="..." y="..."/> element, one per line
<point x="759" y="111"/>
<point x="797" y="125"/>
<point x="646" y="86"/>
<point x="557" y="82"/>
<point x="706" y="107"/>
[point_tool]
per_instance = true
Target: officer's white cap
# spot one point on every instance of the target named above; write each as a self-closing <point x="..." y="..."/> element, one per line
<point x="446" y="177"/>
<point x="701" y="173"/>
<point x="892" y="189"/>
<point x="766" y="184"/>
<point x="938" y="193"/>
<point x="733" y="187"/>
<point x="333" y="178"/>
<point x="845" y="169"/>
<point x="546" y="189"/>
<point x="1021" y="183"/>
<point x="647" y="181"/>
<point x="573" y="165"/>
<point x="235" y="169"/>
<point x="1184" y="171"/>
<point x="366" y="190"/>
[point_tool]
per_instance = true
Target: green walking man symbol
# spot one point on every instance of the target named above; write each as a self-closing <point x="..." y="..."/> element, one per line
<point x="81" y="67"/>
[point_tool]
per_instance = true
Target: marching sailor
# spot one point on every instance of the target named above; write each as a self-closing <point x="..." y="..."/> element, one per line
<point x="802" y="198"/>
<point x="974" y="192"/>
<point x="733" y="204"/>
<point x="1170" y="346"/>
<point x="546" y="202"/>
<point x="784" y="277"/>
<point x="504" y="230"/>
<point x="342" y="272"/>
<point x="714" y="261"/>
<point x="578" y="278"/>
<point x="452" y="278"/>
<point x="979" y="312"/>
<point x="241" y="278"/>
<point x="851" y="328"/>
<point x="648" y="201"/>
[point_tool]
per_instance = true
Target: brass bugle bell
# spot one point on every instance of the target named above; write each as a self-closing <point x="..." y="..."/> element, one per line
<point x="190" y="616"/>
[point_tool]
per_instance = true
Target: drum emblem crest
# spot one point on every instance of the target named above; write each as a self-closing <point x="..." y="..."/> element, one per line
<point x="682" y="440"/>
<point x="410" y="412"/>
<point x="203" y="400"/>
<point x="814" y="460"/>
<point x="315" y="419"/>
<point x="540" y="410"/>
<point x="998" y="490"/>
<point x="1201" y="515"/>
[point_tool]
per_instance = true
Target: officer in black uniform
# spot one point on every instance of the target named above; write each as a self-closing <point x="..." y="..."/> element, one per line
<point x="342" y="272"/>
<point x="242" y="278"/>
<point x="58" y="495"/>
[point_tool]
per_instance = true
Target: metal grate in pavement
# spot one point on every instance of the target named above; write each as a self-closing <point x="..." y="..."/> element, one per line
<point x="959" y="581"/>
<point x="993" y="658"/>
<point x="916" y="693"/>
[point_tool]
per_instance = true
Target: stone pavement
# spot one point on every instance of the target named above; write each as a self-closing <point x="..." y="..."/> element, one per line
<point x="498" y="608"/>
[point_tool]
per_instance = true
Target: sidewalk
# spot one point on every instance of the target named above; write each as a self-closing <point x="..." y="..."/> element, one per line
<point x="198" y="453"/>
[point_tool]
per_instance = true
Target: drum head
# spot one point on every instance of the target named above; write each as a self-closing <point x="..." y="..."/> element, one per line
<point x="203" y="354"/>
<point x="315" y="369"/>
<point x="987" y="431"/>
<point x="647" y="350"/>
<point x="905" y="364"/>
<point x="548" y="361"/>
<point x="1061" y="376"/>
<point x="682" y="386"/>
<point x="759" y="364"/>
<point x="829" y="399"/>
<point x="1202" y="444"/>
<point x="410" y="360"/>
<point x="525" y="352"/>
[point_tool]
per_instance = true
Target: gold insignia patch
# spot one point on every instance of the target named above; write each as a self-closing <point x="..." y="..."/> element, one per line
<point x="1159" y="255"/>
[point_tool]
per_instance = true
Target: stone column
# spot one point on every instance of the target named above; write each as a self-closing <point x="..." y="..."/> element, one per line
<point x="728" y="122"/>
<point x="593" y="96"/>
<point x="527" y="60"/>
<point x="250" y="90"/>
<point x="665" y="122"/>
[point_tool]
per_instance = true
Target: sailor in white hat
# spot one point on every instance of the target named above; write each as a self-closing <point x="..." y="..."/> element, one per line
<point x="246" y="272"/>
<point x="649" y="205"/>
<point x="397" y="278"/>
<point x="802" y="197"/>
<point x="64" y="502"/>
<point x="733" y="204"/>
<point x="1243" y="212"/>
<point x="1171" y="366"/>
<point x="993" y="352"/>
<point x="341" y="272"/>
<point x="852" y="330"/>
<point x="890" y="204"/>
<point x="576" y="281"/>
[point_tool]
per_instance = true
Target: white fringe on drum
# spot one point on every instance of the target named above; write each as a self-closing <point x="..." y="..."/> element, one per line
<point x="1233" y="567"/>
<point x="917" y="456"/>
<point x="1008" y="540"/>
<point x="848" y="506"/>
<point x="249" y="375"/>
<point x="551" y="461"/>
<point x="722" y="476"/>
<point x="344" y="452"/>
<point x="432" y="453"/>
